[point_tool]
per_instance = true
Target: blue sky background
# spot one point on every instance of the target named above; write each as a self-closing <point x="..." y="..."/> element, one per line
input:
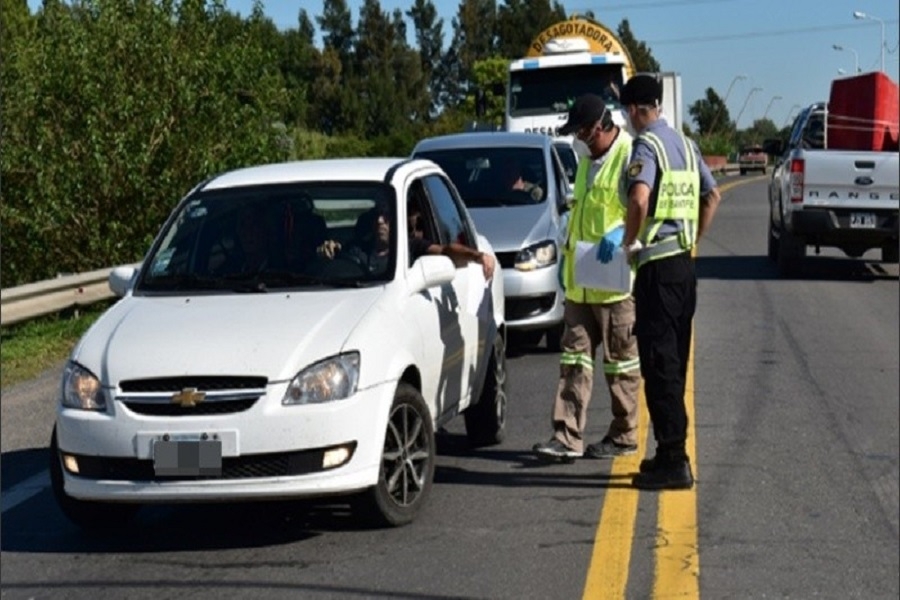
<point x="781" y="46"/>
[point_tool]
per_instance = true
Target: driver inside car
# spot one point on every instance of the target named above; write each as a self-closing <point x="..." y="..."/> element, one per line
<point x="512" y="178"/>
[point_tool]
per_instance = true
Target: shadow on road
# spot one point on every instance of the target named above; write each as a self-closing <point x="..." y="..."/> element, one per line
<point x="824" y="268"/>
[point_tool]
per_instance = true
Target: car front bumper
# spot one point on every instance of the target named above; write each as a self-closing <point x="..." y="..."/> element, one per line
<point x="268" y="451"/>
<point x="533" y="299"/>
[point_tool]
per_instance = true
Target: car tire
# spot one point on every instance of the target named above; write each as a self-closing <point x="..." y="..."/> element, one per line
<point x="890" y="252"/>
<point x="95" y="516"/>
<point x="743" y="171"/>
<point x="772" y="250"/>
<point x="407" y="464"/>
<point x="553" y="337"/>
<point x="486" y="420"/>
<point x="791" y="250"/>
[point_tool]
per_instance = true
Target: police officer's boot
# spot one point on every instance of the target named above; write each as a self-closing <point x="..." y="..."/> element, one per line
<point x="670" y="469"/>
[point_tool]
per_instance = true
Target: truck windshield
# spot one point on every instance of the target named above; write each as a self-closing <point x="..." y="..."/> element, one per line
<point x="553" y="89"/>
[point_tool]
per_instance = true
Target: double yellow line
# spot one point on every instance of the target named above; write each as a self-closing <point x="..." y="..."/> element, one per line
<point x="676" y="572"/>
<point x="676" y="554"/>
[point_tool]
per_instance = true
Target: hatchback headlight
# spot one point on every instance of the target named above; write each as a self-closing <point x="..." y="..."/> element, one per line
<point x="332" y="379"/>
<point x="536" y="256"/>
<point x="81" y="389"/>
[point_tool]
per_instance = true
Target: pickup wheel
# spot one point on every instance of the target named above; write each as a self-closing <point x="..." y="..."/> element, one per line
<point x="791" y="250"/>
<point x="890" y="252"/>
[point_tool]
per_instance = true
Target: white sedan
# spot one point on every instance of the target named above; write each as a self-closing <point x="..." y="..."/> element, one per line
<point x="282" y="339"/>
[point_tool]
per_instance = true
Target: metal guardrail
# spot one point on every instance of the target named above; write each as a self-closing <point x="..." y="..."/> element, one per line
<point x="41" y="298"/>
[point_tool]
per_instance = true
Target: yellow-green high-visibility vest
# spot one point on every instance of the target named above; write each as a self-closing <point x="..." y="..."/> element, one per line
<point x="596" y="211"/>
<point x="678" y="199"/>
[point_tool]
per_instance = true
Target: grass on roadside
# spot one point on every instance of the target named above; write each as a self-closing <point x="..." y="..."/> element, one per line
<point x="30" y="348"/>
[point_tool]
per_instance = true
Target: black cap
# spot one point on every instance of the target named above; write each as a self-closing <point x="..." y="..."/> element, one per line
<point x="642" y="89"/>
<point x="586" y="110"/>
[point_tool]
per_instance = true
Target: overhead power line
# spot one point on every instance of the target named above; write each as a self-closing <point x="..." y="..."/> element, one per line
<point x="757" y="34"/>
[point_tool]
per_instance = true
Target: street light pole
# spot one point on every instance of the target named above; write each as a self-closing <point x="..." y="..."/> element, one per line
<point x="789" y="115"/>
<point x="712" y="128"/>
<point x="858" y="14"/>
<point x="774" y="98"/>
<point x="855" y="55"/>
<point x="756" y="89"/>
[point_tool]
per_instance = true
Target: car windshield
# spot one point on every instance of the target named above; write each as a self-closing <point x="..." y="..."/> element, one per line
<point x="553" y="90"/>
<point x="261" y="238"/>
<point x="493" y="177"/>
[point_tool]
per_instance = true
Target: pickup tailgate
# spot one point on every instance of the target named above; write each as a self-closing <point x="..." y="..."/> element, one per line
<point x="848" y="179"/>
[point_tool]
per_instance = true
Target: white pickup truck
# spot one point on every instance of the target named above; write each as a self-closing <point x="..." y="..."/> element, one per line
<point x="844" y="199"/>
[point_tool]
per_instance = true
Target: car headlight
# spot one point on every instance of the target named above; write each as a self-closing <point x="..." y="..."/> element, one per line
<point x="536" y="256"/>
<point x="81" y="389"/>
<point x="332" y="379"/>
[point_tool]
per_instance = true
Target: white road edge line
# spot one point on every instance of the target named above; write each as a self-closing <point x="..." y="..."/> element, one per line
<point x="24" y="490"/>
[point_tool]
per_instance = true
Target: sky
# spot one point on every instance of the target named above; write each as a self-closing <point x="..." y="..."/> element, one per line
<point x="783" y="47"/>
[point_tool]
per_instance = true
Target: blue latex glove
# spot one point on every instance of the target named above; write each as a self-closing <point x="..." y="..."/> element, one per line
<point x="609" y="243"/>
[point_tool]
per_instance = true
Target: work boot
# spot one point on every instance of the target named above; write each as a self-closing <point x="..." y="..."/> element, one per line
<point x="665" y="476"/>
<point x="607" y="448"/>
<point x="648" y="464"/>
<point x="555" y="450"/>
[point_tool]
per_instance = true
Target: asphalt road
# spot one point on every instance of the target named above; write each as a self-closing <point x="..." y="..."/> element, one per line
<point x="795" y="436"/>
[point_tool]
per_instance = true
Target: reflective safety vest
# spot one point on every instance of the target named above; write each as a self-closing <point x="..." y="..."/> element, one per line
<point x="596" y="211"/>
<point x="677" y="199"/>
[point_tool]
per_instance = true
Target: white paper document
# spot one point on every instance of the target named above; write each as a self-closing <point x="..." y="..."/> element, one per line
<point x="591" y="273"/>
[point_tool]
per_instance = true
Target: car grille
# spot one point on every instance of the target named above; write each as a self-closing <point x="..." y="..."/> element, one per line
<point x="524" y="308"/>
<point x="216" y="395"/>
<point x="253" y="466"/>
<point x="205" y="383"/>
<point x="209" y="407"/>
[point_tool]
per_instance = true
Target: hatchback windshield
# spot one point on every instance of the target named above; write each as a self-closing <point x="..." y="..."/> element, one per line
<point x="491" y="177"/>
<point x="254" y="239"/>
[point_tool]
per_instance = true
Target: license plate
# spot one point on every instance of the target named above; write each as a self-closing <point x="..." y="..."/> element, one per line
<point x="862" y="220"/>
<point x="187" y="458"/>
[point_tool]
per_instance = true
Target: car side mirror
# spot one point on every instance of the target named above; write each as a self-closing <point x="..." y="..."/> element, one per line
<point x="121" y="280"/>
<point x="430" y="271"/>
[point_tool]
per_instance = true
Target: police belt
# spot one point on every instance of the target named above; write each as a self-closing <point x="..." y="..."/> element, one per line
<point x="669" y="245"/>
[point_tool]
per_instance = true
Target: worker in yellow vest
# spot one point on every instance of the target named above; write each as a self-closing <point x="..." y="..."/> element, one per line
<point x="595" y="317"/>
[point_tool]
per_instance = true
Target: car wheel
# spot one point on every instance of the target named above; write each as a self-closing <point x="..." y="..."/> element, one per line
<point x="407" y="463"/>
<point x="890" y="252"/>
<point x="486" y="420"/>
<point x="791" y="250"/>
<point x="87" y="515"/>
<point x="773" y="242"/>
<point x="743" y="171"/>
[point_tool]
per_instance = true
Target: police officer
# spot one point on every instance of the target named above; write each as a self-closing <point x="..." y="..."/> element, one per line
<point x="593" y="316"/>
<point x="672" y="197"/>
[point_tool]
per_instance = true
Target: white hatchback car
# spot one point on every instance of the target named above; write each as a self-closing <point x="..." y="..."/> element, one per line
<point x="244" y="363"/>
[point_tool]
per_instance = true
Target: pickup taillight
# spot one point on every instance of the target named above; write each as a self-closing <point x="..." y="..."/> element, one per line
<point x="796" y="181"/>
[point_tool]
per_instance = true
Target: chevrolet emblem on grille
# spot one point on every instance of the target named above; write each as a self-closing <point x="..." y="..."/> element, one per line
<point x="188" y="397"/>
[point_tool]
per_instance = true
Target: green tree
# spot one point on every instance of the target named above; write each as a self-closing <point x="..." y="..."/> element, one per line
<point x="710" y="114"/>
<point x="430" y="41"/>
<point x="112" y="110"/>
<point x="473" y="39"/>
<point x="519" y="21"/>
